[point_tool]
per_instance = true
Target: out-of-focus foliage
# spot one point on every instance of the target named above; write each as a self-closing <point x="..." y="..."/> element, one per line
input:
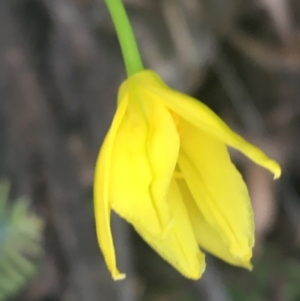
<point x="20" y="243"/>
<point x="275" y="276"/>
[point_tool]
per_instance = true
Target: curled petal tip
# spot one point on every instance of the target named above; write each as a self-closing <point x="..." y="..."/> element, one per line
<point x="277" y="176"/>
<point x="270" y="165"/>
<point x="275" y="169"/>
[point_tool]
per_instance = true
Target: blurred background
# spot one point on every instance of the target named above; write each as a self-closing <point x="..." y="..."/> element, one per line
<point x="60" y="68"/>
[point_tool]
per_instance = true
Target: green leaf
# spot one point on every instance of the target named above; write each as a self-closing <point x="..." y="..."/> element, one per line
<point x="21" y="234"/>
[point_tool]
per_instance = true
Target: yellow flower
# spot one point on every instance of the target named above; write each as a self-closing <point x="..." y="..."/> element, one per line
<point x="164" y="167"/>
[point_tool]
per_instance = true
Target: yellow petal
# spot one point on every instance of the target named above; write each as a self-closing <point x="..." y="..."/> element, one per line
<point x="179" y="247"/>
<point x="144" y="157"/>
<point x="218" y="189"/>
<point x="202" y="117"/>
<point x="101" y="194"/>
<point x="207" y="236"/>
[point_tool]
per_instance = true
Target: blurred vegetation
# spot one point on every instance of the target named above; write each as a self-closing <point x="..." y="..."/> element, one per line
<point x="20" y="243"/>
<point x="275" y="277"/>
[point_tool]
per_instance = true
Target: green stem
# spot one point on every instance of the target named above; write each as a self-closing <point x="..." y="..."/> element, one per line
<point x="126" y="37"/>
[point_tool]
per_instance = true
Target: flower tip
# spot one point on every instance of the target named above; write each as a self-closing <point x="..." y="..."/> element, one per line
<point x="248" y="265"/>
<point x="199" y="269"/>
<point x="197" y="273"/>
<point x="194" y="271"/>
<point x="118" y="276"/>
